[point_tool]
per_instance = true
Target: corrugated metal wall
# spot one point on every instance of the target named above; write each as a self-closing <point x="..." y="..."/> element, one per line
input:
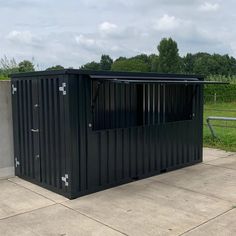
<point x="108" y="156"/>
<point x="38" y="105"/>
<point x="126" y="133"/>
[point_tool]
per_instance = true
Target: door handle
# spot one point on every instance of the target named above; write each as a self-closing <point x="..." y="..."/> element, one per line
<point x="35" y="130"/>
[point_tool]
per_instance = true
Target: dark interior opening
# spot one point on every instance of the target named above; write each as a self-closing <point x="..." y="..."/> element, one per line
<point x="124" y="105"/>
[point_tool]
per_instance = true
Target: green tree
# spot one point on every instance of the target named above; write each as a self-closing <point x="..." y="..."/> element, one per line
<point x="121" y="59"/>
<point x="132" y="64"/>
<point x="91" y="66"/>
<point x="8" y="66"/>
<point x="207" y="64"/>
<point x="154" y="63"/>
<point x="139" y="63"/>
<point x="188" y="63"/>
<point x="57" y="67"/>
<point x="106" y="62"/>
<point x="26" y="66"/>
<point x="169" y="60"/>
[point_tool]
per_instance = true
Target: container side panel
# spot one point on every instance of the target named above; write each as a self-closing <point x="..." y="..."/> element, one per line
<point x="52" y="132"/>
<point x="22" y="128"/>
<point x="119" y="155"/>
<point x="63" y="155"/>
<point x="133" y="153"/>
<point x="112" y="160"/>
<point x="126" y="154"/>
<point x="104" y="151"/>
<point x="30" y="125"/>
<point x="162" y="140"/>
<point x="35" y="131"/>
<point x="84" y="102"/>
<point x="57" y="134"/>
<point x="26" y="128"/>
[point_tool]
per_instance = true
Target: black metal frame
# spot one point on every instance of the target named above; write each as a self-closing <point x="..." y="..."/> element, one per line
<point x="76" y="160"/>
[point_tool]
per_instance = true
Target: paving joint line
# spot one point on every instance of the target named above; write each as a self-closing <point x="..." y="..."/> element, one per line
<point x="207" y="221"/>
<point x="203" y="162"/>
<point x="5" y="178"/>
<point x="91" y="218"/>
<point x="40" y="194"/>
<point x="228" y="155"/>
<point x="216" y="158"/>
<point x="231" y="154"/>
<point x="26" y="212"/>
<point x="194" y="191"/>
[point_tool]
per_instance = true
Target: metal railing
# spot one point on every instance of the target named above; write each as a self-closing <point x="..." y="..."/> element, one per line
<point x="213" y="133"/>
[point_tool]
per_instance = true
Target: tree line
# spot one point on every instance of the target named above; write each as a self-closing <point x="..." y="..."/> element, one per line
<point x="167" y="60"/>
<point x="10" y="66"/>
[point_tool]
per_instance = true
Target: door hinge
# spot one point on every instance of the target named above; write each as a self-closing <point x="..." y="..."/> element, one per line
<point x="14" y="89"/>
<point x="17" y="163"/>
<point x="62" y="88"/>
<point x="65" y="179"/>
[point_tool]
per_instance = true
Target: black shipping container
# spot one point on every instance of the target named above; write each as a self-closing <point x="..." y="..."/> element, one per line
<point x="77" y="132"/>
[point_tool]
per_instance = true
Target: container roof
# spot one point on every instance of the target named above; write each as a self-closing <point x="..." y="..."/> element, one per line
<point x="111" y="75"/>
<point x="124" y="77"/>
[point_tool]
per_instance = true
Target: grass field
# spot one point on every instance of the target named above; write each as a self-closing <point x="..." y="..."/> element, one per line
<point x="226" y="135"/>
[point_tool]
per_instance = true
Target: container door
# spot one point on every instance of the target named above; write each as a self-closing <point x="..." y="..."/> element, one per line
<point x="35" y="130"/>
<point x="25" y="104"/>
<point x="41" y="126"/>
<point x="52" y="123"/>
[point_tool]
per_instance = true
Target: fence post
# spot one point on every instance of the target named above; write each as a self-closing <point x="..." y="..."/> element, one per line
<point x="215" y="98"/>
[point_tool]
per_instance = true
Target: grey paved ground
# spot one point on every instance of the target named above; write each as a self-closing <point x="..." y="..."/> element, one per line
<point x="198" y="200"/>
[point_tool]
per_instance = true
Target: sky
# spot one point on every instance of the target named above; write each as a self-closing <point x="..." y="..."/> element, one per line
<point x="74" y="32"/>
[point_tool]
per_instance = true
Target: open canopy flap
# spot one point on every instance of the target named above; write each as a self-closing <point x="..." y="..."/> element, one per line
<point x="152" y="80"/>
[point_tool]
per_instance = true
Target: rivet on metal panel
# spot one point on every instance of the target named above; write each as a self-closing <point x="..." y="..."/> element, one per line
<point x="65" y="179"/>
<point x="17" y="163"/>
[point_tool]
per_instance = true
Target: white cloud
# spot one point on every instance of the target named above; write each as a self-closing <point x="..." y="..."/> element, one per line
<point x="25" y="37"/>
<point x="107" y="26"/>
<point x="38" y="30"/>
<point x="115" y="48"/>
<point x="85" y="41"/>
<point x="167" y="23"/>
<point x="206" y="6"/>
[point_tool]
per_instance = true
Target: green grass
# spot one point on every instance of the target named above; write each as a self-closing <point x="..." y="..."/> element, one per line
<point x="226" y="136"/>
<point x="4" y="77"/>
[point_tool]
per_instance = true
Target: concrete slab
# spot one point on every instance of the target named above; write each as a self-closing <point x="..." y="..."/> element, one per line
<point x="216" y="152"/>
<point x="15" y="200"/>
<point x="227" y="162"/>
<point x="37" y="189"/>
<point x="149" y="208"/>
<point x="206" y="179"/>
<point x="54" y="220"/>
<point x="222" y="225"/>
<point x="210" y="154"/>
<point x="197" y="200"/>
